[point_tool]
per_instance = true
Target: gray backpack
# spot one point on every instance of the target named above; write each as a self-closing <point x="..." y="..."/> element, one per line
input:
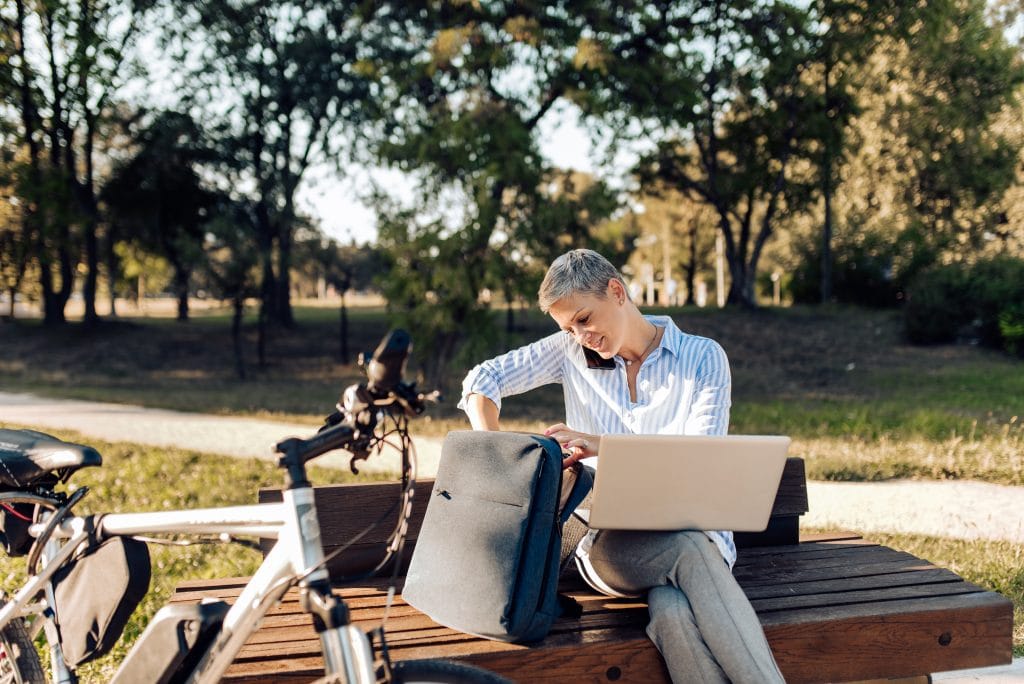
<point x="486" y="560"/>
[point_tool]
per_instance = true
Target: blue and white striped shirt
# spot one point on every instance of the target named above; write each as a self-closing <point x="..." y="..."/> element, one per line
<point x="682" y="388"/>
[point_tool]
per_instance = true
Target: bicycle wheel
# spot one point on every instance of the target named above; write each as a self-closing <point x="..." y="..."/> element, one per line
<point x="442" y="672"/>
<point x="19" y="662"/>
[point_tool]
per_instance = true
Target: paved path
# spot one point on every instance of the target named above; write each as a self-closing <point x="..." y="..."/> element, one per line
<point x="226" y="435"/>
<point x="953" y="509"/>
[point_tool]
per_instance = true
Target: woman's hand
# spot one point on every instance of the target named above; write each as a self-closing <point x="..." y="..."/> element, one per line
<point x="579" y="444"/>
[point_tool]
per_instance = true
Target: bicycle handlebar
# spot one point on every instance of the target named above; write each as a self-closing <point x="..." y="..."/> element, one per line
<point x="351" y="426"/>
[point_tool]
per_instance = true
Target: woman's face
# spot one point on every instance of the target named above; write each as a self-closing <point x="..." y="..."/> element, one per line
<point x="596" y="322"/>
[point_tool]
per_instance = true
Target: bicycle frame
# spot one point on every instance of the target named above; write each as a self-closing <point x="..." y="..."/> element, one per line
<point x="293" y="522"/>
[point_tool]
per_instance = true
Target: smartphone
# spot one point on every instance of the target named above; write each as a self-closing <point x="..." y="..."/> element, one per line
<point x="596" y="361"/>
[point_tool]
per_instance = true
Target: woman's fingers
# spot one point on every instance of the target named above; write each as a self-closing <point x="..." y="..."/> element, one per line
<point x="579" y="445"/>
<point x="557" y="427"/>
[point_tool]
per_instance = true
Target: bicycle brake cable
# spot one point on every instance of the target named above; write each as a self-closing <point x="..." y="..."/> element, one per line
<point x="56" y="519"/>
<point x="405" y="499"/>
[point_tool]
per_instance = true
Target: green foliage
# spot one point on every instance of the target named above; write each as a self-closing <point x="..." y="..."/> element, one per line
<point x="996" y="286"/>
<point x="979" y="300"/>
<point x="1011" y="328"/>
<point x="937" y="306"/>
<point x="863" y="273"/>
<point x="465" y="99"/>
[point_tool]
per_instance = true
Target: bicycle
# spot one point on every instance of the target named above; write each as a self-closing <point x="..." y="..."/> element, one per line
<point x="74" y="562"/>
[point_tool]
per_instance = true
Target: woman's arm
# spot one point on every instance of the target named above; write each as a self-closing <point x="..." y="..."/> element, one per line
<point x="709" y="411"/>
<point x="482" y="412"/>
<point x="514" y="372"/>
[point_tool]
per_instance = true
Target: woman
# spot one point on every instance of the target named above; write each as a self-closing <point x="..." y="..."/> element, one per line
<point x="623" y="372"/>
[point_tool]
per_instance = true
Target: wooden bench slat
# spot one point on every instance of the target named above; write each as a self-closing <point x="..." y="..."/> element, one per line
<point x="832" y="599"/>
<point x="803" y="574"/>
<point x="825" y="558"/>
<point x="844" y="584"/>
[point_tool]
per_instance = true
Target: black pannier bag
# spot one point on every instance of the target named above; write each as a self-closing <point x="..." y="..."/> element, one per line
<point x="486" y="560"/>
<point x="15" y="519"/>
<point x="95" y="594"/>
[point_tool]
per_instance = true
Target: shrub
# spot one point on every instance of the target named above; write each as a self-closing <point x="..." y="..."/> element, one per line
<point x="862" y="274"/>
<point x="937" y="306"/>
<point x="984" y="300"/>
<point x="996" y="286"/>
<point x="1011" y="327"/>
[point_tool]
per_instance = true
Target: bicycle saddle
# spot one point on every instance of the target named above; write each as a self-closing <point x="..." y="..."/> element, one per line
<point x="28" y="457"/>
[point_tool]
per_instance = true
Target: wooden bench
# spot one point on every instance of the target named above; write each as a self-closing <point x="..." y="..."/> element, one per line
<point x="835" y="608"/>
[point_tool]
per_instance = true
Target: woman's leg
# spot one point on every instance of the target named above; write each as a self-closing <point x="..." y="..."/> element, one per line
<point x="724" y="619"/>
<point x="673" y="629"/>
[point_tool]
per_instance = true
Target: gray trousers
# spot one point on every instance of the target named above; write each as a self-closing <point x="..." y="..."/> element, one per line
<point x="701" y="621"/>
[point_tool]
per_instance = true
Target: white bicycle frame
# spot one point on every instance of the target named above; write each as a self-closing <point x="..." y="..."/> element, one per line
<point x="293" y="522"/>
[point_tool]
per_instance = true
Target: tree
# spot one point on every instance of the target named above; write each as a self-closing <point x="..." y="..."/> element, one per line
<point x="276" y="84"/>
<point x="934" y="145"/>
<point x="67" y="62"/>
<point x="466" y="85"/>
<point x="231" y="267"/>
<point x="158" y="201"/>
<point x="721" y="89"/>
<point x="676" y="236"/>
<point x="14" y="239"/>
<point x="341" y="267"/>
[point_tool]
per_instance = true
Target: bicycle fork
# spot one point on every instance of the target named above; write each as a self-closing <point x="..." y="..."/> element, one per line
<point x="346" y="648"/>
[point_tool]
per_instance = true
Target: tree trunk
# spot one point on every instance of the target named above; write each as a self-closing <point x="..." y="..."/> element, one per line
<point x="343" y="330"/>
<point x="510" y="318"/>
<point x="236" y="334"/>
<point x="691" y="265"/>
<point x="436" y="367"/>
<point x="92" y="249"/>
<point x="826" y="192"/>
<point x="92" y="264"/>
<point x="283" y="308"/>
<point x="112" y="268"/>
<point x="181" y="278"/>
<point x="261" y="335"/>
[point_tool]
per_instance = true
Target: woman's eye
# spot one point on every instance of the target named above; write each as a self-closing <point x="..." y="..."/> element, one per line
<point x="584" y="321"/>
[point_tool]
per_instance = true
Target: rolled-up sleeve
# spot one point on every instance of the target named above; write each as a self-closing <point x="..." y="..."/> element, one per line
<point x="709" y="410"/>
<point x="517" y="371"/>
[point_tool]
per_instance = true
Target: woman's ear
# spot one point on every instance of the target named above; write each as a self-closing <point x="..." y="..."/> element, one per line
<point x="616" y="291"/>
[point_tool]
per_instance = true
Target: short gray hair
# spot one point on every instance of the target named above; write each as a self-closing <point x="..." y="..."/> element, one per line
<point x="581" y="271"/>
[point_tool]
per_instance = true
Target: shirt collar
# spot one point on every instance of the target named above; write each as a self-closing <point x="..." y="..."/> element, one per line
<point x="671" y="341"/>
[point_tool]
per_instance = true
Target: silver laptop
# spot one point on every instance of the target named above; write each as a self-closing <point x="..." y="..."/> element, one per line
<point x="669" y="482"/>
